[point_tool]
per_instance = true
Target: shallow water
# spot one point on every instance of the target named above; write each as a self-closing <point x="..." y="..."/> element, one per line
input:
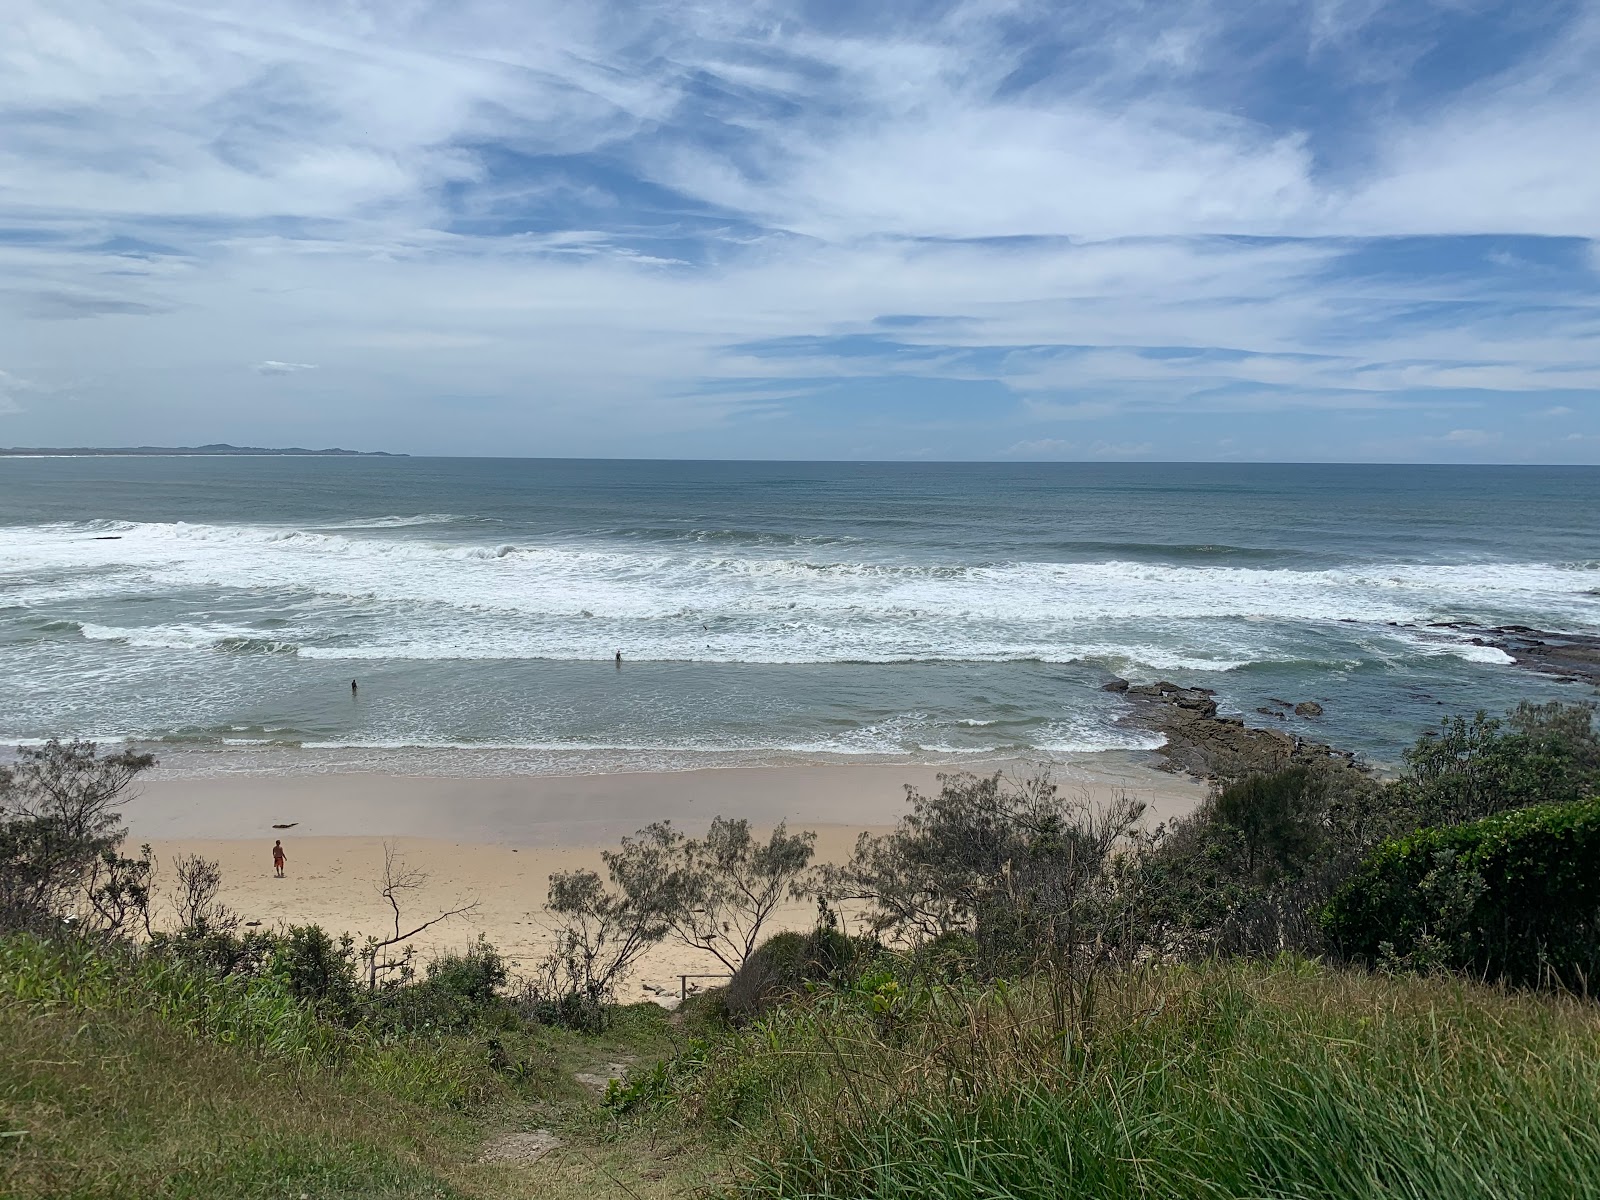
<point x="766" y="612"/>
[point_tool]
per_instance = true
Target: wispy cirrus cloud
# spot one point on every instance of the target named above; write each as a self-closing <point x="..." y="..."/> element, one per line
<point x="752" y="228"/>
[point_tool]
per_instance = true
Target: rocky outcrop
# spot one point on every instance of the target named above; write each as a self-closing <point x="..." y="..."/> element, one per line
<point x="1569" y="656"/>
<point x="1201" y="743"/>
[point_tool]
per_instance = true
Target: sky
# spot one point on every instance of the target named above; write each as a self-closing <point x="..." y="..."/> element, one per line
<point x="1340" y="230"/>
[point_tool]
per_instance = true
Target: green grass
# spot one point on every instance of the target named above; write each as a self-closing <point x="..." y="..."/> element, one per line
<point x="125" y="1076"/>
<point x="120" y="1104"/>
<point x="129" y="1077"/>
<point x="1288" y="1080"/>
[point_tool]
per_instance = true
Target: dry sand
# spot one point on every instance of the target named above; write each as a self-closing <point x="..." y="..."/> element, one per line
<point x="496" y="840"/>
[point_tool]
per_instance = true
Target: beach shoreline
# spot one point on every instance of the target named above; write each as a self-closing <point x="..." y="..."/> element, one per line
<point x="497" y="839"/>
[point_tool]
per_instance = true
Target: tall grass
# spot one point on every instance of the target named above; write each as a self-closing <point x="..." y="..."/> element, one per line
<point x="1278" y="1080"/>
<point x="257" y="1013"/>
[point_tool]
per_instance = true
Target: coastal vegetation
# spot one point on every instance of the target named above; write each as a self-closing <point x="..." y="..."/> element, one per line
<point x="1320" y="983"/>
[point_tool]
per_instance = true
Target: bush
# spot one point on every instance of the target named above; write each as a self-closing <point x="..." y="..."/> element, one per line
<point x="1027" y="873"/>
<point x="461" y="992"/>
<point x="781" y="967"/>
<point x="474" y="978"/>
<point x="1513" y="897"/>
<point x="318" y="970"/>
<point x="1468" y="770"/>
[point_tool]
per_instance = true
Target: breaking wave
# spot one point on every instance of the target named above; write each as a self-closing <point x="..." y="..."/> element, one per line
<point x="370" y="590"/>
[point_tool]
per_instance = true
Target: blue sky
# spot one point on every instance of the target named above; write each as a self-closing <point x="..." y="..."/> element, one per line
<point x="1339" y="230"/>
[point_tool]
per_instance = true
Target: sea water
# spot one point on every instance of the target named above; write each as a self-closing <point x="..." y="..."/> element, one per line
<point x="765" y="612"/>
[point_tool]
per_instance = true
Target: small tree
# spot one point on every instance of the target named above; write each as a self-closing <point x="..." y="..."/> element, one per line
<point x="60" y="832"/>
<point x="602" y="931"/>
<point x="718" y="892"/>
<point x="1467" y="770"/>
<point x="199" y="910"/>
<point x="121" y="890"/>
<point x="1277" y="818"/>
<point x="1027" y="873"/>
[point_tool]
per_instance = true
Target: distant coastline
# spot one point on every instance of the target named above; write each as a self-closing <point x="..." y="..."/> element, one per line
<point x="214" y="450"/>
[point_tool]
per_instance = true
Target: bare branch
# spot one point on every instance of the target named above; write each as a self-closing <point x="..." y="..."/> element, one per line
<point x="397" y="883"/>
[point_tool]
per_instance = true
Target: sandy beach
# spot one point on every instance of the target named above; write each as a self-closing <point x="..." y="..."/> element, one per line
<point x="496" y="840"/>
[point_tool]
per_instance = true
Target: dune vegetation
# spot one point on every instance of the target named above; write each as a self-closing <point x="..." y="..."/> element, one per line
<point x="1320" y="984"/>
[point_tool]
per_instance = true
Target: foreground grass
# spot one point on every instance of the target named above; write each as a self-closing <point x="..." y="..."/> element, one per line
<point x="1230" y="1081"/>
<point x="133" y="1078"/>
<point x="1283" y="1080"/>
<point x="124" y="1105"/>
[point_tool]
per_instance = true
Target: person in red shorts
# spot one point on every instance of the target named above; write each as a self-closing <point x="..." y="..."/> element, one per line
<point x="278" y="858"/>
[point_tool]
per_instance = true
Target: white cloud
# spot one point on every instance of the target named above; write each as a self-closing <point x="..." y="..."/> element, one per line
<point x="1498" y="159"/>
<point x="356" y="182"/>
<point x="1559" y="410"/>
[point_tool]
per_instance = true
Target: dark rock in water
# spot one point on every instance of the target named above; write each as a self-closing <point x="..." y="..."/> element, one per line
<point x="1116" y="685"/>
<point x="1567" y="656"/>
<point x="1308" y="708"/>
<point x="1270" y="712"/>
<point x="1201" y="743"/>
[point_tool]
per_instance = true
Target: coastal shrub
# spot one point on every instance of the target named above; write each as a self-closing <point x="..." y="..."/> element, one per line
<point x="475" y="976"/>
<point x="223" y="953"/>
<point x="1252" y="869"/>
<point x="319" y="970"/>
<point x="1248" y="871"/>
<point x="1276" y="819"/>
<point x="717" y="893"/>
<point x="782" y="966"/>
<point x="1514" y="896"/>
<point x="459" y="992"/>
<point x="1024" y="871"/>
<point x="60" y="838"/>
<point x="1473" y="768"/>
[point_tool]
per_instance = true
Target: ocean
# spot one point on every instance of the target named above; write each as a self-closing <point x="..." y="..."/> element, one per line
<point x="765" y="612"/>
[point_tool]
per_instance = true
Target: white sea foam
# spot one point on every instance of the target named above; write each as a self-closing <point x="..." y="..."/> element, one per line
<point x="366" y="592"/>
<point x="392" y="522"/>
<point x="210" y="636"/>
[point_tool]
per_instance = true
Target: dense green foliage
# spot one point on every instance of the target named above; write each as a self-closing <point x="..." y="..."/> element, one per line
<point x="781" y="967"/>
<point x="1540" y="754"/>
<point x="1514" y="896"/>
<point x="1252" y="870"/>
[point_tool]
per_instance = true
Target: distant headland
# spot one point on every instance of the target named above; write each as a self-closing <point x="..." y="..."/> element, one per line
<point x="217" y="448"/>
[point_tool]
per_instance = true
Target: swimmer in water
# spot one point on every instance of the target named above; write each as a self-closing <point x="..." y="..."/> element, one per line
<point x="619" y="658"/>
<point x="352" y="687"/>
